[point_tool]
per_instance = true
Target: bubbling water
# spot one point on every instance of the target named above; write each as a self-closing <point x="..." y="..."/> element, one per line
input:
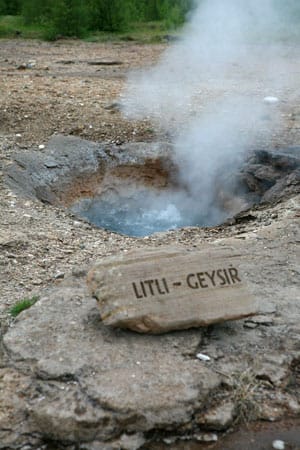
<point x="143" y="213"/>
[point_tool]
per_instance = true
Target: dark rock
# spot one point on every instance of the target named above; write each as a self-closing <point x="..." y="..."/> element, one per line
<point x="71" y="168"/>
<point x="283" y="159"/>
<point x="284" y="188"/>
<point x="22" y="66"/>
<point x="274" y="174"/>
<point x="104" y="63"/>
<point x="66" y="61"/>
<point x="264" y="172"/>
<point x="113" y="106"/>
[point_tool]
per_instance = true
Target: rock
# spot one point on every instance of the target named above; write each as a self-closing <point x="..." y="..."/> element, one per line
<point x="125" y="442"/>
<point x="22" y="66"/>
<point x="59" y="276"/>
<point x="11" y="241"/>
<point x="259" y="320"/>
<point x="113" y="106"/>
<point x="158" y="290"/>
<point x="70" y="168"/>
<point x="249" y="324"/>
<point x="273" y="373"/>
<point x="66" y="61"/>
<point x="86" y="384"/>
<point x="206" y="437"/>
<point x="105" y="63"/>
<point x="270" y="413"/>
<point x="278" y="445"/>
<point x="219" y="418"/>
<point x="284" y="188"/>
<point x="293" y="406"/>
<point x="14" y="423"/>
<point x="203" y="357"/>
<point x="273" y="174"/>
<point x="130" y="442"/>
<point x="265" y="173"/>
<point x="285" y="159"/>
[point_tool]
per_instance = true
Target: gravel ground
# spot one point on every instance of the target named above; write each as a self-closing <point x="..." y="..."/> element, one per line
<point x="51" y="88"/>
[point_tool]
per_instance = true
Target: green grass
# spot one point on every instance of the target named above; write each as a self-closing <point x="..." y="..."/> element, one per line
<point x="13" y="26"/>
<point x="22" y="305"/>
<point x="142" y="32"/>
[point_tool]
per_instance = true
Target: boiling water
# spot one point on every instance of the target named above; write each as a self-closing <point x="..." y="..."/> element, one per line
<point x="143" y="213"/>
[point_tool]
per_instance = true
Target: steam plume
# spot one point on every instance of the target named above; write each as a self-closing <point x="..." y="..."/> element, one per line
<point x="220" y="47"/>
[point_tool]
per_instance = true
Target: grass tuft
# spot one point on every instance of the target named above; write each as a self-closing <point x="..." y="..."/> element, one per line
<point x="22" y="305"/>
<point x="245" y="389"/>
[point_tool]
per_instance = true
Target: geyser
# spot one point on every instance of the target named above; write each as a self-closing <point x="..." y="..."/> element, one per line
<point x="139" y="215"/>
<point x="213" y="130"/>
<point x="135" y="189"/>
<point x="143" y="212"/>
<point x="138" y="189"/>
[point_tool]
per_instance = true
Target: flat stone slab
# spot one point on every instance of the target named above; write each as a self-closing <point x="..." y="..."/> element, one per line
<point x="91" y="383"/>
<point x="158" y="290"/>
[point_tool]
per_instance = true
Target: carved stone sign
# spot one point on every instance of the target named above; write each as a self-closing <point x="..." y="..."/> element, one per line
<point x="159" y="290"/>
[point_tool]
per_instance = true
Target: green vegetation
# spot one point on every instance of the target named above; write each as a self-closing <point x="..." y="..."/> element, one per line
<point x="13" y="26"/>
<point x="78" y="18"/>
<point x="22" y="305"/>
<point x="143" y="32"/>
<point x="97" y="19"/>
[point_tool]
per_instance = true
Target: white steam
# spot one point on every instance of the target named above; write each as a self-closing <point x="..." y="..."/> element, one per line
<point x="212" y="129"/>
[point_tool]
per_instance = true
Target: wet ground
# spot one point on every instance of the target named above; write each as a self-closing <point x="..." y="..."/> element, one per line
<point x="260" y="436"/>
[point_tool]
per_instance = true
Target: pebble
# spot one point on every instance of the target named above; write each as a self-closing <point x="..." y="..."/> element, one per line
<point x="251" y="325"/>
<point x="278" y="445"/>
<point x="203" y="357"/>
<point x="259" y="320"/>
<point x="59" y="276"/>
<point x="168" y="441"/>
<point x="77" y="224"/>
<point x="41" y="147"/>
<point x="207" y="437"/>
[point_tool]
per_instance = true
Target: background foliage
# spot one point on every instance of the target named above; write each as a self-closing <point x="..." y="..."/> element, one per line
<point x="77" y="17"/>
